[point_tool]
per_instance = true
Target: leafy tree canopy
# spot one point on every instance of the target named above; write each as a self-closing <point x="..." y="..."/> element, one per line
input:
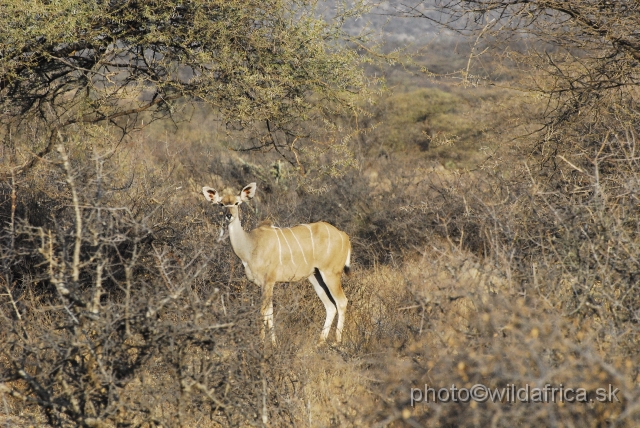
<point x="68" y="62"/>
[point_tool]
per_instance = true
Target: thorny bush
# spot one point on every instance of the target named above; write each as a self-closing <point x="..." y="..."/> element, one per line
<point x="103" y="308"/>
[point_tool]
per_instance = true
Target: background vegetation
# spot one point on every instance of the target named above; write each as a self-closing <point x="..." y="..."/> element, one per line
<point x="491" y="193"/>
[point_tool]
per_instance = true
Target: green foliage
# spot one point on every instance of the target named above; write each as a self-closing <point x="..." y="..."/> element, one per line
<point x="75" y="61"/>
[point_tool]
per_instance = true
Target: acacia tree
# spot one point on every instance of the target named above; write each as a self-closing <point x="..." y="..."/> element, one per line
<point x="77" y="62"/>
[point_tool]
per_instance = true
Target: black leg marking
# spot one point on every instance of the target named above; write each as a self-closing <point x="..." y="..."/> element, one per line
<point x="318" y="276"/>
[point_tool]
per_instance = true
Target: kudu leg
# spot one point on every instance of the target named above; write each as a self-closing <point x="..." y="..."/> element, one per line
<point x="266" y="310"/>
<point x="334" y="283"/>
<point x="328" y="305"/>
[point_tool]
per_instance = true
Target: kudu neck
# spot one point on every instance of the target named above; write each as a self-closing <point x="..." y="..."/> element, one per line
<point x="240" y="240"/>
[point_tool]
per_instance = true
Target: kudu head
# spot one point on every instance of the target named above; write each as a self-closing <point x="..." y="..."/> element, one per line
<point x="230" y="203"/>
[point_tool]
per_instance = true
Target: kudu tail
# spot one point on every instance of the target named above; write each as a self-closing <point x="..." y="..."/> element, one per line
<point x="347" y="263"/>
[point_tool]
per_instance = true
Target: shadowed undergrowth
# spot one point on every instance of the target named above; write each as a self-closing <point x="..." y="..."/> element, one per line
<point x="122" y="306"/>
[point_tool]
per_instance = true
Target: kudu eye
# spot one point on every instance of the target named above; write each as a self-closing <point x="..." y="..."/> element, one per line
<point x="237" y="203"/>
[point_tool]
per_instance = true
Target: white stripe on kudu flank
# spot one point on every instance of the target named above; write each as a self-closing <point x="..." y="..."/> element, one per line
<point x="341" y="242"/>
<point x="290" y="251"/>
<point x="313" y="247"/>
<point x="275" y="229"/>
<point x="328" y="237"/>
<point x="301" y="249"/>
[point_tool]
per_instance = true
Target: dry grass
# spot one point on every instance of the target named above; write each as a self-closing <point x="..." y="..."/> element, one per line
<point x="451" y="285"/>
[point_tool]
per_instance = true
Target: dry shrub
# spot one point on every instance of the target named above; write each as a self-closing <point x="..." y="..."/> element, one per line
<point x="471" y="327"/>
<point x="500" y="276"/>
<point x="536" y="285"/>
<point x="94" y="293"/>
<point x="118" y="309"/>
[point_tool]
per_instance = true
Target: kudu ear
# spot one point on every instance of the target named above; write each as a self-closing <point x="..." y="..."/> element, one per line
<point x="211" y="194"/>
<point x="248" y="192"/>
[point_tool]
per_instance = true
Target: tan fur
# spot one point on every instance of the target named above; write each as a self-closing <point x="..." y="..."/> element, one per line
<point x="265" y="223"/>
<point x="299" y="257"/>
<point x="271" y="254"/>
